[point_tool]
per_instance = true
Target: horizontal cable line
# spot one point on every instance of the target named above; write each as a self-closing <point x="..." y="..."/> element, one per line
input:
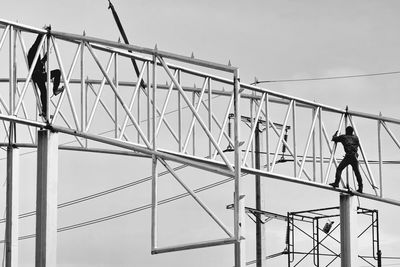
<point x="130" y="211"/>
<point x="98" y="194"/>
<point x="327" y="78"/>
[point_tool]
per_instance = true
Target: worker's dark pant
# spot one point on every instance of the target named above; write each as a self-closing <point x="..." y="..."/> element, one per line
<point x="40" y="79"/>
<point x="349" y="160"/>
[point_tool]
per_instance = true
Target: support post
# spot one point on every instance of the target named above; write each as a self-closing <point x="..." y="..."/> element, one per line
<point x="260" y="203"/>
<point x="348" y="231"/>
<point x="46" y="199"/>
<point x="240" y="255"/>
<point x="12" y="202"/>
<point x="154" y="193"/>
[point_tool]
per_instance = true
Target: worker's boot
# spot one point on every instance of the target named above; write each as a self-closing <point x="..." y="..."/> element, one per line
<point x="58" y="90"/>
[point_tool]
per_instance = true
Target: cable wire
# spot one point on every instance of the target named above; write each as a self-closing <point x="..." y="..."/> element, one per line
<point x="99" y="194"/>
<point x="131" y="211"/>
<point x="327" y="78"/>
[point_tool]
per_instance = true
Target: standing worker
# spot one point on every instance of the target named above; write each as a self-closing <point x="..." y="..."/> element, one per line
<point x="39" y="75"/>
<point x="350" y="144"/>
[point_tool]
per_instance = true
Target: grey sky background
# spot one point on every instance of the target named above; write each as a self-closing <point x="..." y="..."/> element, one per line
<point x="270" y="40"/>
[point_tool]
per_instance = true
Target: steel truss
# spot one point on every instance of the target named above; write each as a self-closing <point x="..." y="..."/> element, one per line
<point x="324" y="229"/>
<point x="171" y="121"/>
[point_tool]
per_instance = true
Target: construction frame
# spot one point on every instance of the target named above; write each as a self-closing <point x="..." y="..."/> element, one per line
<point x="136" y="107"/>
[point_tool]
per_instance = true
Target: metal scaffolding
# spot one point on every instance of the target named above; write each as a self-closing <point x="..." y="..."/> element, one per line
<point x="324" y="226"/>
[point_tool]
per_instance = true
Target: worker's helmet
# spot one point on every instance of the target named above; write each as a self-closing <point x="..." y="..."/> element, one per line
<point x="349" y="130"/>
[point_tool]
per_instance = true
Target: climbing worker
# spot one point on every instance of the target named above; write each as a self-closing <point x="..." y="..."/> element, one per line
<point x="350" y="144"/>
<point x="39" y="75"/>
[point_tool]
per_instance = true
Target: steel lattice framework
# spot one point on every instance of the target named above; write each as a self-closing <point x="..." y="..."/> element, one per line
<point x="296" y="141"/>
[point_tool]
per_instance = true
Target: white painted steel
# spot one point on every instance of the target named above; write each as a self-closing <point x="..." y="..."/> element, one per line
<point x="253" y="129"/>
<point x="12" y="207"/>
<point x="280" y="141"/>
<point x="312" y="128"/>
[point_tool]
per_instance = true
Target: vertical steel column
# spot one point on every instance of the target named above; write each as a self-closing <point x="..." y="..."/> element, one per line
<point x="46" y="199"/>
<point x="240" y="251"/>
<point x="267" y="130"/>
<point x="294" y="139"/>
<point x="154" y="197"/>
<point x="48" y="43"/>
<point x="380" y="157"/>
<point x="321" y="158"/>
<point x="148" y="101"/>
<point x="251" y="127"/>
<point x="348" y="231"/>
<point x="209" y="116"/>
<point x="179" y="114"/>
<point x="83" y="87"/>
<point x="314" y="113"/>
<point x="260" y="202"/>
<point x="12" y="202"/>
<point x="12" y="70"/>
<point x="115" y="98"/>
<point x="194" y="125"/>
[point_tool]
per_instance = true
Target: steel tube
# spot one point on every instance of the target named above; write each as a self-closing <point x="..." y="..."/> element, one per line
<point x="31" y="134"/>
<point x="154" y="184"/>
<point x="288" y="148"/>
<point x="320" y="146"/>
<point x="66" y="81"/>
<point x="333" y="150"/>
<point x="83" y="87"/>
<point x="132" y="101"/>
<point x="12" y="204"/>
<point x="12" y="70"/>
<point x="204" y="244"/>
<point x="109" y="113"/>
<point x="253" y="130"/>
<point x="313" y="141"/>
<point x="196" y="198"/>
<point x="195" y="114"/>
<point x="96" y="101"/>
<point x="120" y="99"/>
<point x="164" y="108"/>
<point x="38" y="102"/>
<point x="240" y="251"/>
<point x="380" y="159"/>
<point x="308" y="143"/>
<point x="278" y="145"/>
<point x="391" y="134"/>
<point x="294" y="125"/>
<point x="191" y="125"/>
<point x="3" y="36"/>
<point x="222" y="127"/>
<point x="210" y="110"/>
<point x="267" y="113"/>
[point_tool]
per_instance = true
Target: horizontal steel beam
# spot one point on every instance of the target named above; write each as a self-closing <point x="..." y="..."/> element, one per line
<point x="203" y="244"/>
<point x="318" y="185"/>
<point x="135" y="48"/>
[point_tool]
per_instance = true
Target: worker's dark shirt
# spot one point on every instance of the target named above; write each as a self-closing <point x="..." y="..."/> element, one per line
<point x="39" y="67"/>
<point x="350" y="143"/>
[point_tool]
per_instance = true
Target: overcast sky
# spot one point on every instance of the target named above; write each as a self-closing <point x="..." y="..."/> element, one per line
<point x="270" y="40"/>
